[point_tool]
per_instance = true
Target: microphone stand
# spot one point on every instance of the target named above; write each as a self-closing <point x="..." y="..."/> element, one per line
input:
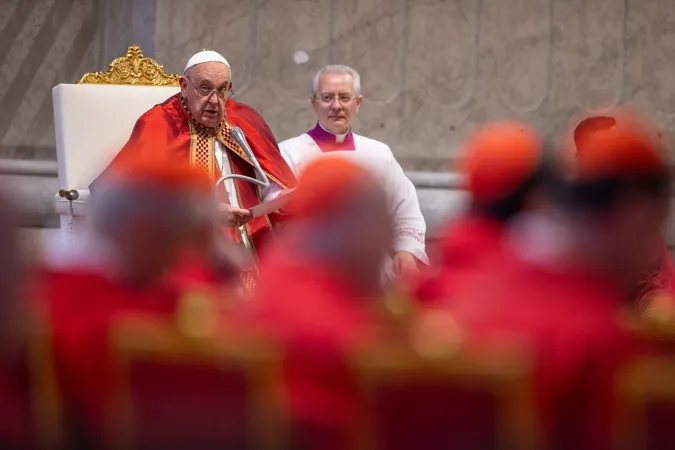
<point x="238" y="135"/>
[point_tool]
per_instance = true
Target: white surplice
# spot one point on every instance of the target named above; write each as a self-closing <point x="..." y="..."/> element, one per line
<point x="410" y="227"/>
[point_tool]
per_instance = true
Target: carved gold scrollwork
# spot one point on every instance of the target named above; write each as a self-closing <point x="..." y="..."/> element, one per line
<point x="132" y="68"/>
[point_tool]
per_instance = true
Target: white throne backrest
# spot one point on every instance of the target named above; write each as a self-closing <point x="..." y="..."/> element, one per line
<point x="94" y="119"/>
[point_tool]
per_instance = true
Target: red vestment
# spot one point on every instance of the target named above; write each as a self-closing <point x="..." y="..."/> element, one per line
<point x="16" y="414"/>
<point x="463" y="248"/>
<point x="81" y="306"/>
<point x="317" y="315"/>
<point x="662" y="278"/>
<point x="569" y="321"/>
<point x="168" y="131"/>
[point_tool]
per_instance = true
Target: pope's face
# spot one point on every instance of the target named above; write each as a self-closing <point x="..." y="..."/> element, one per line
<point x="205" y="88"/>
<point x="335" y="102"/>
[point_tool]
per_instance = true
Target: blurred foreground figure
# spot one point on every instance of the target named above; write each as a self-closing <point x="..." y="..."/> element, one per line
<point x="561" y="296"/>
<point x="504" y="169"/>
<point x="16" y="415"/>
<point x="318" y="291"/>
<point x="659" y="272"/>
<point x="141" y="221"/>
<point x="336" y="99"/>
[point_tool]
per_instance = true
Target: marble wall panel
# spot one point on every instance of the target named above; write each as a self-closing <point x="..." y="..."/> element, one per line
<point x="441" y="84"/>
<point x="432" y="70"/>
<point x="42" y="43"/>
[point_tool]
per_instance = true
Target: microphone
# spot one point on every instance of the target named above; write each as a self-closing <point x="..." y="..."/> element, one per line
<point x="237" y="134"/>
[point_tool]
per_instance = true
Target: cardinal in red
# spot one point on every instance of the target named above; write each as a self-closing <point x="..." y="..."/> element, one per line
<point x="564" y="301"/>
<point x="145" y="215"/>
<point x="503" y="166"/>
<point x="659" y="273"/>
<point x="318" y="292"/>
<point x="194" y="127"/>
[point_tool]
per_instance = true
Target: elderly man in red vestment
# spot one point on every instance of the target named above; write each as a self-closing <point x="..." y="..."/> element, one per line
<point x="660" y="273"/>
<point x="318" y="290"/>
<point x="564" y="299"/>
<point x="144" y="216"/>
<point x="503" y="165"/>
<point x="194" y="126"/>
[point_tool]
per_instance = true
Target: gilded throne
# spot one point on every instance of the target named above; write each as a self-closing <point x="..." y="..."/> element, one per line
<point x="94" y="118"/>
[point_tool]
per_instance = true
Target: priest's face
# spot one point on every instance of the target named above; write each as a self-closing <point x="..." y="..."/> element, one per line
<point x="205" y="88"/>
<point x="335" y="102"/>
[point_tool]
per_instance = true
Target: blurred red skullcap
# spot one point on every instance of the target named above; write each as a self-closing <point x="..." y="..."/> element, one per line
<point x="327" y="182"/>
<point x="618" y="144"/>
<point x="160" y="173"/>
<point x="500" y="157"/>
<point x="589" y="126"/>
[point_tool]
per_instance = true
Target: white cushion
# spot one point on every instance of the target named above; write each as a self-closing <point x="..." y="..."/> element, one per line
<point x="92" y="124"/>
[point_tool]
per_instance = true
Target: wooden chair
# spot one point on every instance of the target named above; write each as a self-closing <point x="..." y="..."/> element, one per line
<point x="49" y="421"/>
<point x="458" y="399"/>
<point x="186" y="391"/>
<point x="645" y="385"/>
<point x="646" y="393"/>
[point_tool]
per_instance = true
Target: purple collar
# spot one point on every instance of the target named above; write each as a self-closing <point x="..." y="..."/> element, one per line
<point x="327" y="141"/>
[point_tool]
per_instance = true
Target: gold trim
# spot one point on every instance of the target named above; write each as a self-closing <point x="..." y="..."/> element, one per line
<point x="505" y="374"/>
<point x="45" y="394"/>
<point x="233" y="146"/>
<point x="132" y="69"/>
<point x="202" y="157"/>
<point x="224" y="137"/>
<point x="242" y="350"/>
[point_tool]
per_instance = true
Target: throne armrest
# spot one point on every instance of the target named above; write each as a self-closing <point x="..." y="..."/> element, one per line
<point x="62" y="205"/>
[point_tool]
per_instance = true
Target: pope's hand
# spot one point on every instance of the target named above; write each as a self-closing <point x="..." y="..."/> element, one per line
<point x="404" y="263"/>
<point x="233" y="217"/>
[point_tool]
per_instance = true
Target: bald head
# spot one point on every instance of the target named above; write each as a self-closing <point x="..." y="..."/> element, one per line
<point x="148" y="213"/>
<point x="343" y="214"/>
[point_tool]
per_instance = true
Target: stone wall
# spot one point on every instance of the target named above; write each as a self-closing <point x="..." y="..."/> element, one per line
<point x="42" y="43"/>
<point x="432" y="69"/>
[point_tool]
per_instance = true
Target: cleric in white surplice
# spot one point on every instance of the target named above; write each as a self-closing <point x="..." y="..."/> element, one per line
<point x="336" y="98"/>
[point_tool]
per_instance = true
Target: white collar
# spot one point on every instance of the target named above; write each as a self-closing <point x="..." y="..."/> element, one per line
<point x="339" y="138"/>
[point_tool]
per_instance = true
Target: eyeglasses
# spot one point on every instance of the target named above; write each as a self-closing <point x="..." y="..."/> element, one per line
<point x="328" y="99"/>
<point x="204" y="91"/>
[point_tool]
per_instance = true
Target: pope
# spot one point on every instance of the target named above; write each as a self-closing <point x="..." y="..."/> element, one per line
<point x="193" y="127"/>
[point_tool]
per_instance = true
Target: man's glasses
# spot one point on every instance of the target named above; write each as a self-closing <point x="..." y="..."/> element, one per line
<point x="328" y="99"/>
<point x="203" y="91"/>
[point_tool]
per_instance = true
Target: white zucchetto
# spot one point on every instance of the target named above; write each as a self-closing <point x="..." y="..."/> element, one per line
<point x="205" y="56"/>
